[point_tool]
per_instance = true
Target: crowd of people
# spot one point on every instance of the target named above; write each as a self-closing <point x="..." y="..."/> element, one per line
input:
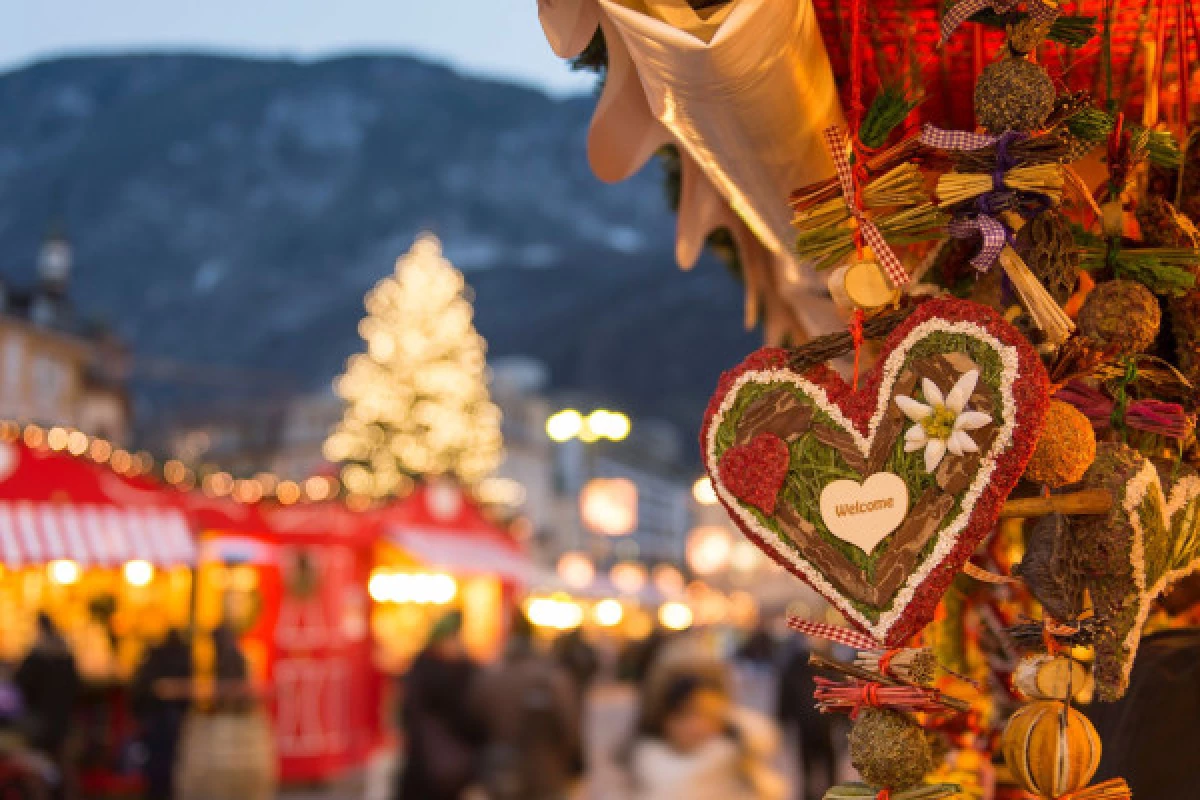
<point x="516" y="729"/>
<point x="39" y="702"/>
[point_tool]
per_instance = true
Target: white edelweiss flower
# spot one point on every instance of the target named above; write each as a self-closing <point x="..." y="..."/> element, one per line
<point x="943" y="422"/>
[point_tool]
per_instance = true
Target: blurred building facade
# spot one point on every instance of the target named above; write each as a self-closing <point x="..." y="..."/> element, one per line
<point x="56" y="368"/>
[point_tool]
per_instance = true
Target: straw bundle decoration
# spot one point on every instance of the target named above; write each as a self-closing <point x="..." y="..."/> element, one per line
<point x="826" y="247"/>
<point x="1046" y="313"/>
<point x="917" y="665"/>
<point x="860" y="791"/>
<point x="954" y="188"/>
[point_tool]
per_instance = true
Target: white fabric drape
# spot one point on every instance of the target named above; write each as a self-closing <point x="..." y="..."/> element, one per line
<point x="746" y="108"/>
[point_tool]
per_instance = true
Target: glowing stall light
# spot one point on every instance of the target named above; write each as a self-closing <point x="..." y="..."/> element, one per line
<point x="576" y="570"/>
<point x="628" y="577"/>
<point x="138" y="572"/>
<point x="419" y="588"/>
<point x="608" y="613"/>
<point x="675" y="616"/>
<point x="709" y="548"/>
<point x="557" y="612"/>
<point x="63" y="572"/>
<point x="703" y="492"/>
<point x="611" y="425"/>
<point x="564" y="425"/>
<point x="609" y="506"/>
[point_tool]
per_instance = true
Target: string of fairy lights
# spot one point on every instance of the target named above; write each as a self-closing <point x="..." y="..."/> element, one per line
<point x="211" y="480"/>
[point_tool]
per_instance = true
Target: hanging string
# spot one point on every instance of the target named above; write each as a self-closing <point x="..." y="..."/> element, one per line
<point x="856" y="336"/>
<point x="856" y="102"/>
<point x="1106" y="56"/>
<point x="1185" y="116"/>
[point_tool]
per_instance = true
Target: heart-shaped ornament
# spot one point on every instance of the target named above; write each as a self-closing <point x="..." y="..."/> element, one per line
<point x="952" y="411"/>
<point x="1125" y="560"/>
<point x="754" y="472"/>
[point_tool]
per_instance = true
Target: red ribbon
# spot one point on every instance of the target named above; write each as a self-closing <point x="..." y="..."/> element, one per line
<point x="856" y="336"/>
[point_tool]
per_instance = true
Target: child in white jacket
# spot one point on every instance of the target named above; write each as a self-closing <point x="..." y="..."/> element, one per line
<point x="697" y="746"/>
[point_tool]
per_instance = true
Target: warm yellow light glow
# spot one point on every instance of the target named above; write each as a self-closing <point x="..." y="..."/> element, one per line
<point x="421" y="588"/>
<point x="502" y="492"/>
<point x="675" y="616"/>
<point x="417" y="400"/>
<point x="668" y="580"/>
<point x="564" y="425"/>
<point x="576" y="570"/>
<point x="316" y="488"/>
<point x="609" y="506"/>
<point x="56" y="438"/>
<point x="557" y="612"/>
<point x="287" y="492"/>
<point x="703" y="492"/>
<point x="77" y="443"/>
<point x="138" y="572"/>
<point x="745" y="557"/>
<point x="608" y="612"/>
<point x="628" y="577"/>
<point x="708" y="549"/>
<point x="611" y="425"/>
<point x="63" y="572"/>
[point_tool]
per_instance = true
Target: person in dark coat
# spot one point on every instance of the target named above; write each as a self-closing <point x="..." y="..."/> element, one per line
<point x="1151" y="735"/>
<point x="161" y="697"/>
<point x="529" y="709"/>
<point x="49" y="684"/>
<point x="441" y="737"/>
<point x="797" y="711"/>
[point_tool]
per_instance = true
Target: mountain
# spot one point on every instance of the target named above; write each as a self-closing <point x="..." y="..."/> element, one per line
<point x="231" y="212"/>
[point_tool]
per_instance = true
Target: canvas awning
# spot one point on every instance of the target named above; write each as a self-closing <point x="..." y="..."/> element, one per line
<point x="439" y="526"/>
<point x="56" y="506"/>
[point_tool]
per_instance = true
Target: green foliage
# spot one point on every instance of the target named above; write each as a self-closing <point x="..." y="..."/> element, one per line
<point x="1090" y="125"/>
<point x="1164" y="271"/>
<point x="890" y="107"/>
<point x="1072" y="30"/>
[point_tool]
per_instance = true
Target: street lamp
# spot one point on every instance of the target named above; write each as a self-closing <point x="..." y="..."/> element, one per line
<point x="568" y="424"/>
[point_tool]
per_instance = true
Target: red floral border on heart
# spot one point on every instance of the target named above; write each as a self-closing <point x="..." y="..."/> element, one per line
<point x="1030" y="391"/>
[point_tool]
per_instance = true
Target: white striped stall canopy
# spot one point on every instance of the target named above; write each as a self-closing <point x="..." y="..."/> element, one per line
<point x="32" y="534"/>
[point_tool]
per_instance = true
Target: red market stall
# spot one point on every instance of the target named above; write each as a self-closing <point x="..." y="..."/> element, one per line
<point x="292" y="580"/>
<point x="439" y="551"/>
<point x="109" y="559"/>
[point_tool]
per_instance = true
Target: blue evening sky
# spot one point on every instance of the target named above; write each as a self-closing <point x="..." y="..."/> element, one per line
<point x="500" y="38"/>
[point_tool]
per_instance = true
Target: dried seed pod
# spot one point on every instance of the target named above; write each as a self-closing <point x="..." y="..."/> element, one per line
<point x="889" y="749"/>
<point x="1013" y="94"/>
<point x="1121" y="315"/>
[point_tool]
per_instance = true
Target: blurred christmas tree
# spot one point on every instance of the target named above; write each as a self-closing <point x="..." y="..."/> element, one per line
<point x="417" y="400"/>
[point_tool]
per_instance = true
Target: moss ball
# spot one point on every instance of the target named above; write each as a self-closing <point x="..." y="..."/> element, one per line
<point x="1066" y="448"/>
<point x="1013" y="94"/>
<point x="1122" y="316"/>
<point x="889" y="749"/>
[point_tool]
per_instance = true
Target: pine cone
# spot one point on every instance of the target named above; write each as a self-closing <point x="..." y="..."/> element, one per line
<point x="1047" y="245"/>
<point x="1163" y="226"/>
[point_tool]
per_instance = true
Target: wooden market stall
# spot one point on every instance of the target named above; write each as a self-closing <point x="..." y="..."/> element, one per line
<point x="108" y="558"/>
<point x="293" y="582"/>
<point x="439" y="551"/>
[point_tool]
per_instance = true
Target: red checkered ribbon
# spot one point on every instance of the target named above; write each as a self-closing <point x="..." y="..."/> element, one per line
<point x="835" y="140"/>
<point x="833" y="633"/>
<point x="1040" y="10"/>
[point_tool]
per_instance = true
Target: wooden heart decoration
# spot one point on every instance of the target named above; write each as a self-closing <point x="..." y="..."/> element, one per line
<point x="953" y="408"/>
<point x="1126" y="559"/>
<point x="863" y="514"/>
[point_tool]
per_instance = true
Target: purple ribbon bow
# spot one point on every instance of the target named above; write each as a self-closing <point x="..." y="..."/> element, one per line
<point x="1041" y="10"/>
<point x="988" y="205"/>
